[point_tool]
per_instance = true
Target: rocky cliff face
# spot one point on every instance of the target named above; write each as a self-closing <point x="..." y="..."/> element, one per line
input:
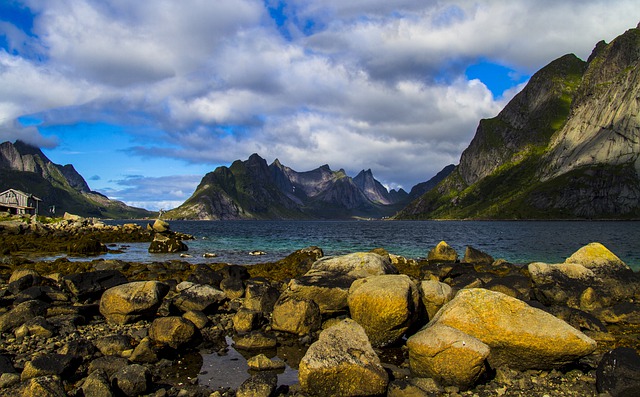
<point x="252" y="190"/>
<point x="567" y="146"/>
<point x="25" y="167"/>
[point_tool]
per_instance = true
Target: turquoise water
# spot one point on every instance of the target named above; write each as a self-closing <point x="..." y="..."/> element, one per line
<point x="515" y="241"/>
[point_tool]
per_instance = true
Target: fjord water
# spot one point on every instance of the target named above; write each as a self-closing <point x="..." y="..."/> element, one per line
<point x="516" y="241"/>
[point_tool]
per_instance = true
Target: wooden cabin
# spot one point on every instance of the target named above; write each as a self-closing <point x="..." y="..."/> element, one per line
<point x="19" y="203"/>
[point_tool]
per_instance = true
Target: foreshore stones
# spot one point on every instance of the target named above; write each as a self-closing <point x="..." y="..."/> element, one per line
<point x="520" y="336"/>
<point x="327" y="282"/>
<point x="173" y="331"/>
<point x="342" y="363"/>
<point x="198" y="297"/>
<point x="447" y="355"/>
<point x="385" y="306"/>
<point x="132" y="301"/>
<point x="296" y="316"/>
<point x="442" y="252"/>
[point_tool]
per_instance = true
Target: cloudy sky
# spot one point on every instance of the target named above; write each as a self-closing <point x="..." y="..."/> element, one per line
<point x="145" y="97"/>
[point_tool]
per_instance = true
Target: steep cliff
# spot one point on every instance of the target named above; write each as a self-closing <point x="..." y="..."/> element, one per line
<point x="567" y="146"/>
<point x="25" y="167"/>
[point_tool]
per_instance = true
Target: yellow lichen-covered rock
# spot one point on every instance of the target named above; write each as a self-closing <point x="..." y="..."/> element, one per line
<point x="173" y="331"/>
<point x="296" y="316"/>
<point x="447" y="355"/>
<point x="442" y="252"/>
<point x="342" y="363"/>
<point x="129" y="302"/>
<point x="434" y="295"/>
<point x="598" y="258"/>
<point x="520" y="336"/>
<point x="385" y="306"/>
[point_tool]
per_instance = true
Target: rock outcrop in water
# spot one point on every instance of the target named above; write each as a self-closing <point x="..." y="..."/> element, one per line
<point x="566" y="146"/>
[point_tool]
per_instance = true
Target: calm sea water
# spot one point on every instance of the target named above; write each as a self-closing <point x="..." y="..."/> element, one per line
<point x="515" y="241"/>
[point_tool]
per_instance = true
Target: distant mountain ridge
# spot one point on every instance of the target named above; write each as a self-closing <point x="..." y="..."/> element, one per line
<point x="566" y="146"/>
<point x="25" y="167"/>
<point x="252" y="189"/>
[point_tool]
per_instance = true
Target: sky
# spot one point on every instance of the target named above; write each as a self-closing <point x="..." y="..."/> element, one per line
<point x="145" y="97"/>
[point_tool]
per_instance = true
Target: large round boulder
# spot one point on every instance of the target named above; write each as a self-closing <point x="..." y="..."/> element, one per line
<point x="520" y="336"/>
<point x="447" y="355"/>
<point x="342" y="363"/>
<point x="173" y="331"/>
<point x="327" y="282"/>
<point x="296" y="316"/>
<point x="442" y="252"/>
<point x="385" y="306"/>
<point x="132" y="301"/>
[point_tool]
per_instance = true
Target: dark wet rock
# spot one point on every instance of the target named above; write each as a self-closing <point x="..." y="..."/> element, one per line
<point x="203" y="274"/>
<point x="577" y="318"/>
<point x="450" y="356"/>
<point x="621" y="313"/>
<point x="442" y="252"/>
<point x="5" y="365"/>
<point x="233" y="288"/>
<point x="342" y="362"/>
<point x="132" y="380"/>
<point x="86" y="246"/>
<point x="198" y="297"/>
<point x="255" y="341"/>
<point x="23" y="282"/>
<point x="260" y="295"/>
<point x="296" y="316"/>
<point x="92" y="284"/>
<point x="114" y="345"/>
<point x="515" y="285"/>
<point x="37" y="326"/>
<point x="414" y="387"/>
<point x="44" y="293"/>
<point x="21" y="313"/>
<point x="97" y="384"/>
<point x="258" y="385"/>
<point x="50" y="364"/>
<point x="132" y="301"/>
<point x="619" y="373"/>
<point x="109" y="364"/>
<point x="78" y="348"/>
<point x="472" y="255"/>
<point x="173" y="331"/>
<point x="385" y="306"/>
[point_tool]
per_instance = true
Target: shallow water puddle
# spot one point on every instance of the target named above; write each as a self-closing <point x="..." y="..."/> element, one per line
<point x="231" y="369"/>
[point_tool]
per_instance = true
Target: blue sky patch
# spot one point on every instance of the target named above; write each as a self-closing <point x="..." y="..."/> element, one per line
<point x="498" y="78"/>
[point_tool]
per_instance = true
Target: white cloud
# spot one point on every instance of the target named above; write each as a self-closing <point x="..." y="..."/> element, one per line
<point x="371" y="84"/>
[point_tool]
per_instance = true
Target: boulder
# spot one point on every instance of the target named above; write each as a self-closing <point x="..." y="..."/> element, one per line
<point x="86" y="246"/>
<point x="20" y="273"/>
<point x="520" y="336"/>
<point x="385" y="306"/>
<point x="132" y="301"/>
<point x="597" y="258"/>
<point x="260" y="296"/>
<point x="21" y="313"/>
<point x="145" y="352"/>
<point x="442" y="252"/>
<point x="50" y="386"/>
<point x="434" y="295"/>
<point x="132" y="380"/>
<point x="296" y="316"/>
<point x="342" y="363"/>
<point x="258" y="385"/>
<point x="447" y="355"/>
<point x="50" y="364"/>
<point x="114" y="345"/>
<point x="246" y="320"/>
<point x="255" y="341"/>
<point x="618" y="373"/>
<point x="97" y="385"/>
<point x="92" y="284"/>
<point x="173" y="331"/>
<point x="264" y="363"/>
<point x="198" y="297"/>
<point x="160" y="226"/>
<point x="475" y="256"/>
<point x="166" y="244"/>
<point x="199" y="319"/>
<point x="327" y="282"/>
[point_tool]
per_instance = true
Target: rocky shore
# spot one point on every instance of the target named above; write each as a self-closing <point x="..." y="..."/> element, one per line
<point x="366" y="323"/>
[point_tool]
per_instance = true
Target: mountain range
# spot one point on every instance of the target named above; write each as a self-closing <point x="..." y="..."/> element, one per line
<point x="61" y="188"/>
<point x="566" y="147"/>
<point x="252" y="189"/>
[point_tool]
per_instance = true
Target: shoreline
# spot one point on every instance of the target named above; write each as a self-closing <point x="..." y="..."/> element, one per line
<point x="54" y="311"/>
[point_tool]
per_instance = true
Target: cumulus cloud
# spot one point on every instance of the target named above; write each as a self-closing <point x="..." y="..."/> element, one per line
<point x="355" y="84"/>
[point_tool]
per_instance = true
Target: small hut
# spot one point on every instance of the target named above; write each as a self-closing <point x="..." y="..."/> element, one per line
<point x="19" y="203"/>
